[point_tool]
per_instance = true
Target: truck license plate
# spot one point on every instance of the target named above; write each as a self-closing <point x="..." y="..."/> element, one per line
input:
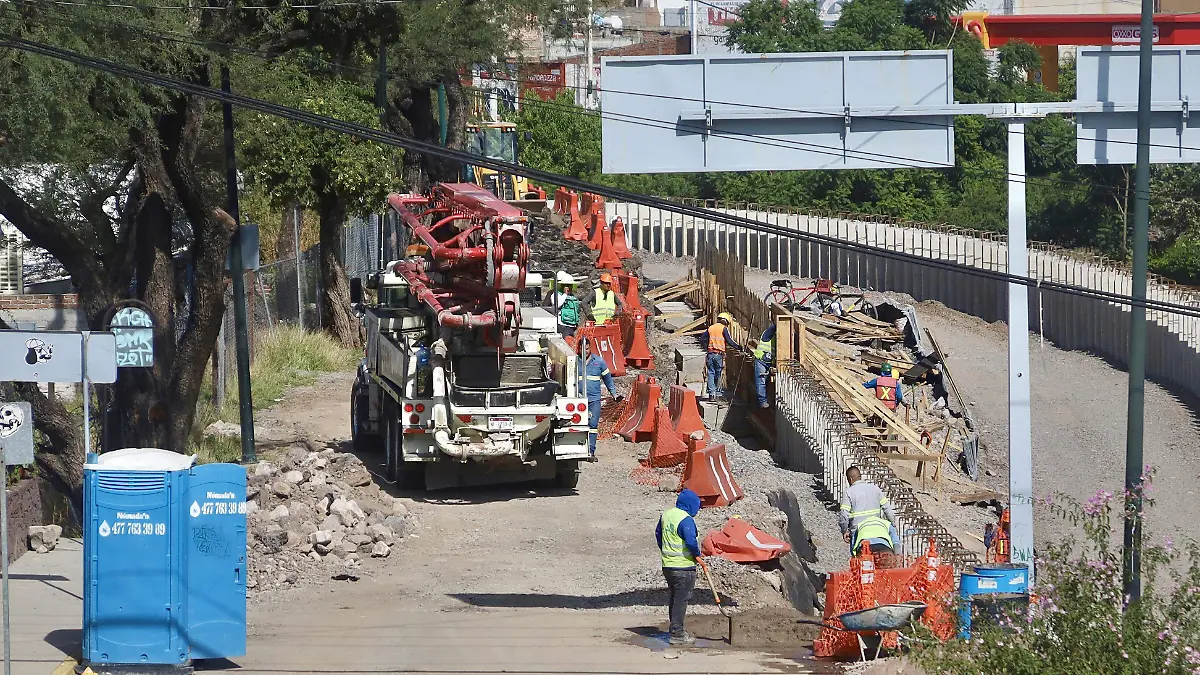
<point x="500" y="424"/>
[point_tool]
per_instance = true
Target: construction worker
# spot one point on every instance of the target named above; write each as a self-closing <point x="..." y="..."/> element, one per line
<point x="887" y="388"/>
<point x="764" y="357"/>
<point x="603" y="302"/>
<point x="596" y="371"/>
<point x="676" y="535"/>
<point x="865" y="515"/>
<point x="567" y="307"/>
<point x="715" y="340"/>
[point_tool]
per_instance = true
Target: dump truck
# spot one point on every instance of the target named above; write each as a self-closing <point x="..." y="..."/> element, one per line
<point x="464" y="381"/>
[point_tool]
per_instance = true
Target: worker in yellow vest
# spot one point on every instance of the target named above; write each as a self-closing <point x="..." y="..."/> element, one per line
<point x="716" y="338"/>
<point x="677" y="544"/>
<point x="603" y="302"/>
<point x="865" y="515"/>
<point x="764" y="357"/>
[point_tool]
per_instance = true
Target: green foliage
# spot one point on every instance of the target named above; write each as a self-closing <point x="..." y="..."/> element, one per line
<point x="1079" y="622"/>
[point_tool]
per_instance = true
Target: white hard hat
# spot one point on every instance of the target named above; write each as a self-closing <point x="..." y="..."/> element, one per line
<point x="564" y="278"/>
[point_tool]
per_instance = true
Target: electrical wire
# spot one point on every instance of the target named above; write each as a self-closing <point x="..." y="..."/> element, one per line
<point x="413" y="145"/>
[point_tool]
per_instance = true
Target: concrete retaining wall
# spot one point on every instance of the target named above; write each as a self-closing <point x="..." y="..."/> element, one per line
<point x="24" y="509"/>
<point x="1069" y="321"/>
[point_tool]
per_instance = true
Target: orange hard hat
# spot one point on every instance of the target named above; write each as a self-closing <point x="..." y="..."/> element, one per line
<point x="606" y="278"/>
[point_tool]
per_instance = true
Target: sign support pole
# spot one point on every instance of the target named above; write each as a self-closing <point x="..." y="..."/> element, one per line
<point x="4" y="558"/>
<point x="1020" y="428"/>
<point x="87" y="395"/>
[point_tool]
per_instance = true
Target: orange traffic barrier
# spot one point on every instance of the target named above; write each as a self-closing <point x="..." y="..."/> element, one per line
<point x="640" y="424"/>
<point x="863" y="586"/>
<point x="708" y="475"/>
<point x="627" y="284"/>
<point x="666" y="448"/>
<point x="685" y="412"/>
<point x="628" y="408"/>
<point x="597" y="231"/>
<point x="608" y="259"/>
<point x="742" y="543"/>
<point x="618" y="239"/>
<point x="637" y="346"/>
<point x="933" y="583"/>
<point x="604" y="339"/>
<point x="538" y="190"/>
<point x="577" y="228"/>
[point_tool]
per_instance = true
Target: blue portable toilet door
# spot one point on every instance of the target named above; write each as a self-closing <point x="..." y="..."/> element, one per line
<point x="135" y="613"/>
<point x="214" y="510"/>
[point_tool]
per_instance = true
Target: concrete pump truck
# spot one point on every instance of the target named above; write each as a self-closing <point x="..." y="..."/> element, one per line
<point x="461" y="384"/>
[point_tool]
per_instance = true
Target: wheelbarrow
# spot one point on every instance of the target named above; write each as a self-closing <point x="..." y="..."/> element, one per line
<point x="881" y="619"/>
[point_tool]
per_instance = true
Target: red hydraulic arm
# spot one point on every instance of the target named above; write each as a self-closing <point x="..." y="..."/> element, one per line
<point x="470" y="258"/>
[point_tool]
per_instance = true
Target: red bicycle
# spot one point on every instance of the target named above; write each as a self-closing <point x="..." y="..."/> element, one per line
<point x="821" y="298"/>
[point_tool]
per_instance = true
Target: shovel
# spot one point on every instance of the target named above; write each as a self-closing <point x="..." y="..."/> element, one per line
<point x="717" y="597"/>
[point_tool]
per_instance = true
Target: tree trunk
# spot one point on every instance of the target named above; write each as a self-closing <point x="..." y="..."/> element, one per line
<point x="336" y="317"/>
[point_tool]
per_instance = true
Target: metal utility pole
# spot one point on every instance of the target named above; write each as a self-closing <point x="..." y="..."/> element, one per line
<point x="236" y="265"/>
<point x="299" y="274"/>
<point x="591" y="85"/>
<point x="692" y="23"/>
<point x="1137" y="317"/>
<point x="1020" y="425"/>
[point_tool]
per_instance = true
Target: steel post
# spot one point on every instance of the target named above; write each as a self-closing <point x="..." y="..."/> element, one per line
<point x="236" y="271"/>
<point x="1135" y="418"/>
<point x="1020" y="432"/>
<point x="4" y="562"/>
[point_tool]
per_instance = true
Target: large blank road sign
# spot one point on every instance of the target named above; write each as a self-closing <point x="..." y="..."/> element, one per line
<point x="774" y="112"/>
<point x="1109" y="76"/>
<point x="56" y="356"/>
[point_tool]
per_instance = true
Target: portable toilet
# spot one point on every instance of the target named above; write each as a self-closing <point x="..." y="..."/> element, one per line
<point x="134" y="602"/>
<point x="215" y="547"/>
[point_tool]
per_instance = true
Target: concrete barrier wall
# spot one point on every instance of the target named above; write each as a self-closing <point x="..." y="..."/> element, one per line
<point x="1070" y="321"/>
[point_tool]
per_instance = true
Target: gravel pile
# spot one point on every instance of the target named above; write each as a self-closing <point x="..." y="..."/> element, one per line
<point x="316" y="515"/>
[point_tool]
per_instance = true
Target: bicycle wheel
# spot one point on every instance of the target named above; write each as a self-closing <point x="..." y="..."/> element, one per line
<point x="867" y="308"/>
<point x="780" y="297"/>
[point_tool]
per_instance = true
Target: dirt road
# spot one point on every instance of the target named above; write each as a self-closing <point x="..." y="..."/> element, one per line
<point x="510" y="579"/>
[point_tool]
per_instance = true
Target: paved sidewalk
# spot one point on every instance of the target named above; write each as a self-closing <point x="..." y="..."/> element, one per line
<point x="46" y="605"/>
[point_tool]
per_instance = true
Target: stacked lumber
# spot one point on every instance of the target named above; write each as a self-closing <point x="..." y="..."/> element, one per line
<point x="855" y="328"/>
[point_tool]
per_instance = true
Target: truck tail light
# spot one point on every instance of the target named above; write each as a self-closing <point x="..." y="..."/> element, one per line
<point x="570" y="407"/>
<point x="582" y="407"/>
<point x="408" y="407"/>
<point x="575" y="418"/>
<point x="420" y="407"/>
<point x="414" y="419"/>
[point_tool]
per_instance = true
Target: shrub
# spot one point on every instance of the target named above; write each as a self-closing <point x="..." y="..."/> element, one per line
<point x="1079" y="620"/>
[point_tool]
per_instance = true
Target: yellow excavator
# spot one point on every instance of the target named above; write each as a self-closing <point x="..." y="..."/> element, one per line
<point x="498" y="140"/>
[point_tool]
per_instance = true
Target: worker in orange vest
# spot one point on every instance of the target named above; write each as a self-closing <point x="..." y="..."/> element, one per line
<point x="887" y="388"/>
<point x="715" y="339"/>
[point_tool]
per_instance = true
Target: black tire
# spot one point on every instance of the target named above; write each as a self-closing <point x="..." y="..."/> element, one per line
<point x="869" y="309"/>
<point x="360" y="438"/>
<point x="780" y="297"/>
<point x="391" y="441"/>
<point x="567" y="474"/>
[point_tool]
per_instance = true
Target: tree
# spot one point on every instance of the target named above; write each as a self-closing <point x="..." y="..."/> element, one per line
<point x="336" y="174"/>
<point x="119" y="184"/>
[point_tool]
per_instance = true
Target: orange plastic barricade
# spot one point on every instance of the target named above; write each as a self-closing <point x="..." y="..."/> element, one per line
<point x="640" y="424"/>
<point x="628" y="408"/>
<point x="740" y="542"/>
<point x="666" y="449"/>
<point x="618" y="239"/>
<point x="608" y="259"/>
<point x="559" y="199"/>
<point x="538" y="190"/>
<point x="597" y="231"/>
<point x="628" y="283"/>
<point x="606" y="341"/>
<point x="637" y="347"/>
<point x="708" y="475"/>
<point x="685" y="412"/>
<point x="577" y="229"/>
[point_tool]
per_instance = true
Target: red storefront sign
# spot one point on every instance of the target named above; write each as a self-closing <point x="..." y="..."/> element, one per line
<point x="543" y="80"/>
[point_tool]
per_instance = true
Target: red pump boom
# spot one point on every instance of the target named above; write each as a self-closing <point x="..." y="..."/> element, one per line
<point x="468" y="257"/>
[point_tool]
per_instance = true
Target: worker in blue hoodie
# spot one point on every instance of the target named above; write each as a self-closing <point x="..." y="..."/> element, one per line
<point x="676" y="534"/>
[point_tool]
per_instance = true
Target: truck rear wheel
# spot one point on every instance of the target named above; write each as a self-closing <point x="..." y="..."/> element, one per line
<point x="360" y="406"/>
<point x="566" y="475"/>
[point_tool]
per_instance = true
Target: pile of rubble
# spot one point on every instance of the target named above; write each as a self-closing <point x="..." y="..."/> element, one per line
<point x="316" y="515"/>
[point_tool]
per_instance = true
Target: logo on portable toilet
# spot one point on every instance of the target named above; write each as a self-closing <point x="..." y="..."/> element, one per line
<point x="195" y="510"/>
<point x="1017" y="580"/>
<point x="104" y="529"/>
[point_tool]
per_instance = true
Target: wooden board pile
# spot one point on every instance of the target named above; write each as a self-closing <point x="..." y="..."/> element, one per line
<point x="846" y="352"/>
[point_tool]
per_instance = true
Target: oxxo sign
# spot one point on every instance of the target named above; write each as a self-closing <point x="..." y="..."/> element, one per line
<point x="1126" y="34"/>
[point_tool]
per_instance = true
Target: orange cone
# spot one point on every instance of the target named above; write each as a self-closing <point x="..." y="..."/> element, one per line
<point x="618" y="237"/>
<point x="666" y="449"/>
<point x="685" y="412"/>
<point x="608" y="257"/>
<point x="640" y="425"/>
<point x="711" y="478"/>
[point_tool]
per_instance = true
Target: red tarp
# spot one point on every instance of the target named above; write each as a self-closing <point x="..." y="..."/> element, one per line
<point x="740" y="542"/>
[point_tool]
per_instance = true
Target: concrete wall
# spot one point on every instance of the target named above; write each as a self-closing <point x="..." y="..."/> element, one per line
<point x="1069" y="321"/>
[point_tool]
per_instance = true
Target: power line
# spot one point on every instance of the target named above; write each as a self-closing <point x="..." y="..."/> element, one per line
<point x="413" y="145"/>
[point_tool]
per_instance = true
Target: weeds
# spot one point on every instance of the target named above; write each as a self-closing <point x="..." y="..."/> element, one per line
<point x="284" y="357"/>
<point x="1080" y="621"/>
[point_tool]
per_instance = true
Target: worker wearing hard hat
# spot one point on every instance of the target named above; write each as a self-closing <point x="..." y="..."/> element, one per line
<point x="604" y="301"/>
<point x="716" y="338"/>
<point x="865" y="515"/>
<point x="595" y="372"/>
<point x="764" y="357"/>
<point x="567" y="308"/>
<point x="887" y="388"/>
